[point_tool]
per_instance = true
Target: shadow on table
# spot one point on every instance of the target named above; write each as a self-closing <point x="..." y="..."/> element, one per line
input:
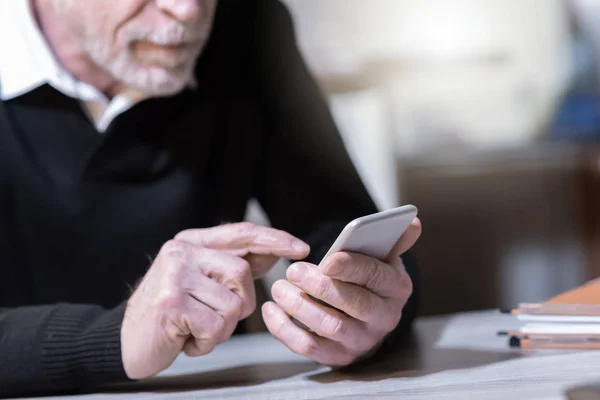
<point x="249" y="375"/>
<point x="419" y="358"/>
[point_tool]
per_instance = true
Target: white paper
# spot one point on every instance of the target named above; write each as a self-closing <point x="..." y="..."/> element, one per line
<point x="589" y="329"/>
<point x="559" y="318"/>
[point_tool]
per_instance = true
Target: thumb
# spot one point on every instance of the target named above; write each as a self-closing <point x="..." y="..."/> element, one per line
<point x="408" y="239"/>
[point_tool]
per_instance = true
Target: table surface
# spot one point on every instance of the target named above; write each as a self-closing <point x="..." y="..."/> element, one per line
<point x="458" y="356"/>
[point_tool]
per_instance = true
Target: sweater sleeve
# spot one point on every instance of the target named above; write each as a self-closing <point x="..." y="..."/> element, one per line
<point x="307" y="183"/>
<point x="59" y="348"/>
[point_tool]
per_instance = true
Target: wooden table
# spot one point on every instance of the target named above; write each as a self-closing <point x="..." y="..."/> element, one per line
<point x="457" y="356"/>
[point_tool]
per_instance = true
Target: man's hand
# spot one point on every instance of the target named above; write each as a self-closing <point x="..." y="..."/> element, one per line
<point x="196" y="291"/>
<point x="369" y="293"/>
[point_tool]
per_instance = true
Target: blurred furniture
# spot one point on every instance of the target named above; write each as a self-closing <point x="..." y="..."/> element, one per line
<point x="588" y="183"/>
<point x="506" y="225"/>
<point x="458" y="356"/>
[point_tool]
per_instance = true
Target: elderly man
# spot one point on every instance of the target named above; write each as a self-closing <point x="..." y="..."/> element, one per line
<point x="133" y="135"/>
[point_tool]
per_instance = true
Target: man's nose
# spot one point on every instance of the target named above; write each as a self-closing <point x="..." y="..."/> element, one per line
<point x="181" y="10"/>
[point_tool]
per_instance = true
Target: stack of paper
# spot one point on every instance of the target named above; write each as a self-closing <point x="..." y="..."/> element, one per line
<point x="568" y="321"/>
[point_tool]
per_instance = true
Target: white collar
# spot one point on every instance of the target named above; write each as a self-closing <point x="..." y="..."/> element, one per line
<point x="27" y="63"/>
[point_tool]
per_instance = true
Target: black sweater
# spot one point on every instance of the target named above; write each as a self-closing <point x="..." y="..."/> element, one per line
<point x="83" y="213"/>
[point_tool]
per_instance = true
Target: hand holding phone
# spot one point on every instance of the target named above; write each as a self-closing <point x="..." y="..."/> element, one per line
<point x="350" y="302"/>
<point x="373" y="235"/>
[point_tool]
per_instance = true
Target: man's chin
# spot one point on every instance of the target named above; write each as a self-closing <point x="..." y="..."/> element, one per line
<point x="158" y="81"/>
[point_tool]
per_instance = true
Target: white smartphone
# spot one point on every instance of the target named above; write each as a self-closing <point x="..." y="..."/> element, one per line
<point x="375" y="235"/>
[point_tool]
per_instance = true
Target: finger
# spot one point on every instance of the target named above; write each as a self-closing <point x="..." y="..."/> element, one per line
<point x="203" y="324"/>
<point x="405" y="287"/>
<point x="261" y="264"/>
<point x="238" y="277"/>
<point x="220" y="299"/>
<point x="353" y="300"/>
<point x="197" y="348"/>
<point x="376" y="276"/>
<point x="192" y="349"/>
<point x="408" y="239"/>
<point x="230" y="271"/>
<point x="302" y="342"/>
<point x="324" y="321"/>
<point x="245" y="238"/>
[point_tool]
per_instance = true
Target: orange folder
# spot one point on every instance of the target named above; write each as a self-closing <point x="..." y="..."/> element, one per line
<point x="583" y="300"/>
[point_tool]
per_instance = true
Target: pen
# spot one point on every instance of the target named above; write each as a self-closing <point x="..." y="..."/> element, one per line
<point x="562" y="342"/>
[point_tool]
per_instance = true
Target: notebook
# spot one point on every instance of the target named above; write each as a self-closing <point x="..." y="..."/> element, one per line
<point x="570" y="320"/>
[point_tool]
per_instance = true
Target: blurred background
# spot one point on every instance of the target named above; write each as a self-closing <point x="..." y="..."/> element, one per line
<point x="485" y="115"/>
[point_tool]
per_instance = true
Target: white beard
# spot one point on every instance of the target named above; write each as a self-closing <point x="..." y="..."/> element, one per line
<point x="153" y="80"/>
<point x="155" y="75"/>
<point x="130" y="62"/>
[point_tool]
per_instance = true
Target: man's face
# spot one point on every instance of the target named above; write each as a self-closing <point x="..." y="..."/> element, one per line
<point x="150" y="45"/>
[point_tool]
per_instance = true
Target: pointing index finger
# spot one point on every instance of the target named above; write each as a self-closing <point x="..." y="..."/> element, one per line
<point x="246" y="238"/>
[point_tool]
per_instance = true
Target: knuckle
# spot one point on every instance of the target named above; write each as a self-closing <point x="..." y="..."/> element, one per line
<point x="245" y="226"/>
<point x="169" y="299"/>
<point x="336" y="264"/>
<point x="234" y="307"/>
<point x="307" y="347"/>
<point x="342" y="258"/>
<point x="407" y="285"/>
<point x="214" y="327"/>
<point x="246" y="229"/>
<point x="219" y="324"/>
<point x="376" y="274"/>
<point x="241" y="270"/>
<point x="363" y="305"/>
<point x="175" y="248"/>
<point x="296" y="303"/>
<point x="183" y="234"/>
<point x="322" y="286"/>
<point x="333" y="326"/>
<point x="278" y="327"/>
<point x="404" y="287"/>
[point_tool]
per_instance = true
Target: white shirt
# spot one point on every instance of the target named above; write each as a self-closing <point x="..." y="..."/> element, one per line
<point x="27" y="62"/>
